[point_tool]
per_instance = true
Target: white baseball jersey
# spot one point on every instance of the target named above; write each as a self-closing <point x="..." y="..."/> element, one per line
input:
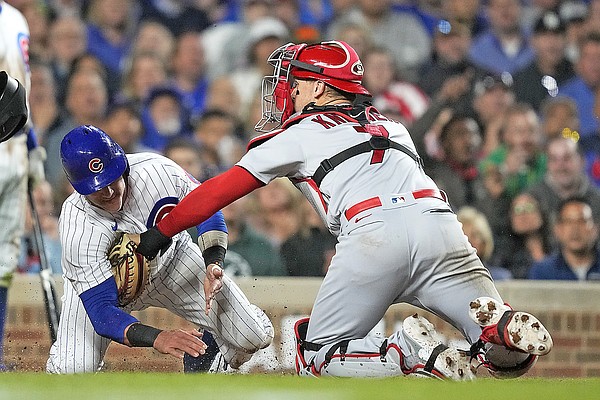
<point x="14" y="47"/>
<point x="154" y="186"/>
<point x="398" y="240"/>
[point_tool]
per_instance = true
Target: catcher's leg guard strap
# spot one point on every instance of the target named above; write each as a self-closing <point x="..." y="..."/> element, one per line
<point x="429" y="365"/>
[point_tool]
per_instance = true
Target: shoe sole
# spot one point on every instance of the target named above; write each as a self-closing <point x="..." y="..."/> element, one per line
<point x="451" y="363"/>
<point x="523" y="331"/>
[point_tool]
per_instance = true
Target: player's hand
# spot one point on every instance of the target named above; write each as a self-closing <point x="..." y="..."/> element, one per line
<point x="178" y="342"/>
<point x="213" y="282"/>
<point x="151" y="242"/>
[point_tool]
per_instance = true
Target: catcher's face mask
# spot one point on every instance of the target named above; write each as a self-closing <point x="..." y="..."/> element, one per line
<point x="277" y="105"/>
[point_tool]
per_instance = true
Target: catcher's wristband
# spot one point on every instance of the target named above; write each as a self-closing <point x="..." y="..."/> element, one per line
<point x="140" y="335"/>
<point x="214" y="255"/>
<point x="151" y="242"/>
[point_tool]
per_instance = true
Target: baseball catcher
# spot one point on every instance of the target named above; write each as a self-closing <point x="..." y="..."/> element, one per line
<point x="398" y="239"/>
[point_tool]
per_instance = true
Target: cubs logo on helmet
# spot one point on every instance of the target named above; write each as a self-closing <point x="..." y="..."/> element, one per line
<point x="95" y="165"/>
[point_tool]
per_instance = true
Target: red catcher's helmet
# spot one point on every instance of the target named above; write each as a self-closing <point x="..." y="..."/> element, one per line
<point x="333" y="62"/>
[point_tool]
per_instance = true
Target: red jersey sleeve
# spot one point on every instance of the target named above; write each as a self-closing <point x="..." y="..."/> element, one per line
<point x="207" y="199"/>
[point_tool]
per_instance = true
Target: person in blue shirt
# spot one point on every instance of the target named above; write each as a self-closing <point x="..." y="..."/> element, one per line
<point x="583" y="87"/>
<point x="505" y="46"/>
<point x="578" y="256"/>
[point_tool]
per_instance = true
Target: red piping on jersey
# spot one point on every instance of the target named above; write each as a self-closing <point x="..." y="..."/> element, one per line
<point x="258" y="140"/>
<point x="262" y="138"/>
<point x="314" y="186"/>
<point x="207" y="199"/>
<point x="376" y="201"/>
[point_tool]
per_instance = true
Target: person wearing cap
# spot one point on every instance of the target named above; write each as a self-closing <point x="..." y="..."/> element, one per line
<point x="492" y="97"/>
<point x="164" y="117"/>
<point x="550" y="67"/>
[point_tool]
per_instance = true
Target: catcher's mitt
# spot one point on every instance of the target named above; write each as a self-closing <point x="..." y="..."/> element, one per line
<point x="131" y="270"/>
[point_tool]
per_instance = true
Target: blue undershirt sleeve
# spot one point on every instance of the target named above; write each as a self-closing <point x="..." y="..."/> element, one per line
<point x="100" y="303"/>
<point x="215" y="223"/>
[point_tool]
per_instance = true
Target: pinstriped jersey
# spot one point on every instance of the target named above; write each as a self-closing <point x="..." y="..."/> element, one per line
<point x="14" y="44"/>
<point x="155" y="185"/>
<point x="298" y="150"/>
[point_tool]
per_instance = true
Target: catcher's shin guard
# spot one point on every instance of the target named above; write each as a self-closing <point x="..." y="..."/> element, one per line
<point x="515" y="330"/>
<point x="338" y="361"/>
<point x="425" y="354"/>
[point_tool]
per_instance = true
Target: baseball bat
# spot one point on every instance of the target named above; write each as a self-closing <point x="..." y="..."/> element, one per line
<point x="50" y="299"/>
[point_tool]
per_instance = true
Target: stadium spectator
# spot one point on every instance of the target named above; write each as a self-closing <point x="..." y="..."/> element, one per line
<point x="178" y="16"/>
<point x="226" y="44"/>
<point x="565" y="178"/>
<point x="45" y="112"/>
<point x="86" y="102"/>
<point x="143" y="72"/>
<point x="492" y="97"/>
<point x="308" y="252"/>
<point x="189" y="71"/>
<point x="574" y="13"/>
<point x="451" y="42"/>
<point x="559" y="117"/>
<point x="402" y="33"/>
<point x="275" y="211"/>
<point x="67" y="41"/>
<point x="504" y="46"/>
<point x="356" y="36"/>
<point x="187" y="154"/>
<point x="155" y="38"/>
<point x="534" y="9"/>
<point x="123" y="124"/>
<point x="583" y="86"/>
<point x="400" y="100"/>
<point x="477" y="229"/>
<point x="516" y="164"/>
<point x="455" y="171"/>
<point x="264" y="36"/>
<point x="525" y="241"/>
<point x="578" y="256"/>
<point x="467" y="12"/>
<point x="215" y="130"/>
<point x="38" y="20"/>
<point x="164" y="117"/>
<point x="550" y="68"/>
<point x="110" y="28"/>
<point x="249" y="253"/>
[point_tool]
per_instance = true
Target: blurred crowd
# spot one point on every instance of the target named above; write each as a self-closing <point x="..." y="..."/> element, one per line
<point x="502" y="98"/>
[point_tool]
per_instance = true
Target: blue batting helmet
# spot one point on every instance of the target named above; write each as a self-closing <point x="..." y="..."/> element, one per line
<point x="91" y="159"/>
